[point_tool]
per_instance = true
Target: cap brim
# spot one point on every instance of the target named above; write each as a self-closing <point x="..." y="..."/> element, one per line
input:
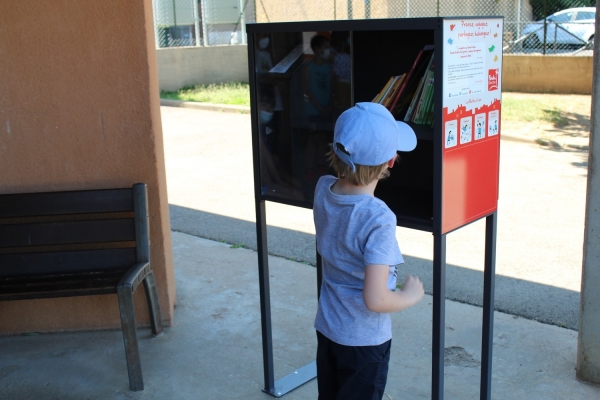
<point x="407" y="140"/>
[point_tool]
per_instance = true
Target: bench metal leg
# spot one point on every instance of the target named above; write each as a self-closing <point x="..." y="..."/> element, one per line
<point x="153" y="304"/>
<point x="132" y="353"/>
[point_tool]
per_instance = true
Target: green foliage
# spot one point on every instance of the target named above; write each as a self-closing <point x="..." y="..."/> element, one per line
<point x="514" y="108"/>
<point x="552" y="6"/>
<point x="235" y="93"/>
<point x="547" y="109"/>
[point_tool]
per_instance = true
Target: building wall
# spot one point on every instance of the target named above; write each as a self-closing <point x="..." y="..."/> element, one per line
<point x="547" y="74"/>
<point x="79" y="109"/>
<point x="188" y="66"/>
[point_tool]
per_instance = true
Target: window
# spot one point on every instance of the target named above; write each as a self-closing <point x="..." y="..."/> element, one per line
<point x="581" y="15"/>
<point x="565" y="17"/>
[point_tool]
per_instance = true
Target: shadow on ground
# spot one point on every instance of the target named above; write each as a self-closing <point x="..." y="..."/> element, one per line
<point x="543" y="303"/>
<point x="570" y="123"/>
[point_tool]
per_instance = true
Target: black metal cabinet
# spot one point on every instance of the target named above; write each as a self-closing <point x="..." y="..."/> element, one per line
<point x="292" y="127"/>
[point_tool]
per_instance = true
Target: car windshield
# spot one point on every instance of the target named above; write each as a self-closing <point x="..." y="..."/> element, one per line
<point x="581" y="15"/>
<point x="565" y="17"/>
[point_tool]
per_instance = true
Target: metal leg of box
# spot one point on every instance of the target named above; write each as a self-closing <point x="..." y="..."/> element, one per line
<point x="265" y="295"/>
<point x="489" y="275"/>
<point x="301" y="375"/>
<point x="297" y="378"/>
<point x="439" y="316"/>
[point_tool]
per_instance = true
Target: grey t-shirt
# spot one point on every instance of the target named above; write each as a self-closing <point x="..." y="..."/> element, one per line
<point x="353" y="231"/>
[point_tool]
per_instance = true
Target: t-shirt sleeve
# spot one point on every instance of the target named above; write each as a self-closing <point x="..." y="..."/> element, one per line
<point x="381" y="245"/>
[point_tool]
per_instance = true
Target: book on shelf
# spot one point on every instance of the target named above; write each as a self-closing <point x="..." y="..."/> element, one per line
<point x="428" y="116"/>
<point x="429" y="112"/>
<point x="418" y="92"/>
<point x="409" y="86"/>
<point x="417" y="110"/>
<point x="424" y="101"/>
<point x="414" y="101"/>
<point x="393" y="90"/>
<point x="390" y="89"/>
<point x="383" y="91"/>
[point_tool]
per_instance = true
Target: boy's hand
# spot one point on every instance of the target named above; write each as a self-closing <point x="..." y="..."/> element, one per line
<point x="413" y="288"/>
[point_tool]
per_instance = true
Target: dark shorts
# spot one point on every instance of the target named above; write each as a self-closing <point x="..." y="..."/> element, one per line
<point x="351" y="372"/>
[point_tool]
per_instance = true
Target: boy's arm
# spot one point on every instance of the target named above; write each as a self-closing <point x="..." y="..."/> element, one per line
<point x="378" y="298"/>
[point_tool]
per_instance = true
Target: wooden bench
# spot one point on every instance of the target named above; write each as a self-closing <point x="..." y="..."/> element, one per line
<point x="81" y="243"/>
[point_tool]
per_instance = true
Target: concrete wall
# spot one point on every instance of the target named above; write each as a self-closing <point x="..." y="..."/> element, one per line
<point x="79" y="109"/>
<point x="547" y="74"/>
<point x="187" y="66"/>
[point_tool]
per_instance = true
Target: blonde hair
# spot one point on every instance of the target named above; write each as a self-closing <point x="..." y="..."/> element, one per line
<point x="363" y="175"/>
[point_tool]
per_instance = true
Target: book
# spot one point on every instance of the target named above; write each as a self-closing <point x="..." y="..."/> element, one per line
<point x="384" y="90"/>
<point x="409" y="112"/>
<point x="417" y="112"/>
<point x="388" y="90"/>
<point x="393" y="90"/>
<point x="423" y="101"/>
<point x="409" y="86"/>
<point x="428" y="117"/>
<point x="414" y="101"/>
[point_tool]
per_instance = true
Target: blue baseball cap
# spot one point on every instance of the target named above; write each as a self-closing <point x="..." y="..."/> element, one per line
<point x="367" y="134"/>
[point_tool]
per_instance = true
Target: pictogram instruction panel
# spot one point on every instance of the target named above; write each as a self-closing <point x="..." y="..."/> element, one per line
<point x="471" y="109"/>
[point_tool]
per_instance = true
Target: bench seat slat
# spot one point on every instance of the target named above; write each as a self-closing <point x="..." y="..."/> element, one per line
<point x="72" y="281"/>
<point x="55" y="233"/>
<point x="56" y="286"/>
<point x="54" y="278"/>
<point x="57" y="293"/>
<point x="57" y="203"/>
<point x="74" y="284"/>
<point x="29" y="264"/>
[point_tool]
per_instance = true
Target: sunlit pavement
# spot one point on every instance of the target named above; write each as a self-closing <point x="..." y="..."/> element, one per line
<point x="540" y="216"/>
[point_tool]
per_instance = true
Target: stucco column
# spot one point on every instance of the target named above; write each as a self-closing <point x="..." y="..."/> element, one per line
<point x="588" y="346"/>
<point x="79" y="109"/>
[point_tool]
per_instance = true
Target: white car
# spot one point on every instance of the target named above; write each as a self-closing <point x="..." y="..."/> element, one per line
<point x="573" y="26"/>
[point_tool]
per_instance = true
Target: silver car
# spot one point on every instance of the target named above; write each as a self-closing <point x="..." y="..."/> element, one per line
<point x="573" y="26"/>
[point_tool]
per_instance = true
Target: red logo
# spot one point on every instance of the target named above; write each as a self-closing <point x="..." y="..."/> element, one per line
<point x="492" y="80"/>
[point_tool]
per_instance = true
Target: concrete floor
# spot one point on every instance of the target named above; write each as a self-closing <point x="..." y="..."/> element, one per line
<point x="214" y="349"/>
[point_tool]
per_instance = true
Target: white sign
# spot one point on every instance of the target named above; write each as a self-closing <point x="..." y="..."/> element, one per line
<point x="472" y="66"/>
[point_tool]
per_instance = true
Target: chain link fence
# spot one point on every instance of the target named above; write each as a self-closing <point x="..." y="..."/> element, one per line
<point x="530" y="26"/>
<point x="201" y="22"/>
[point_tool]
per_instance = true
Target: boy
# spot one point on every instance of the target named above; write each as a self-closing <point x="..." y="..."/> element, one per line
<point x="356" y="236"/>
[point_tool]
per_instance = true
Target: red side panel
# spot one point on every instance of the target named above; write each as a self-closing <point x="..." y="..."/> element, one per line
<point x="471" y="169"/>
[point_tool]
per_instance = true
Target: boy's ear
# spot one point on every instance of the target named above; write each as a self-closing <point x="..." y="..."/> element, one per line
<point x="390" y="163"/>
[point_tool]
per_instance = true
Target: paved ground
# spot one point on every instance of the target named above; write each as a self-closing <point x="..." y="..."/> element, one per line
<point x="540" y="228"/>
<point x="214" y="349"/>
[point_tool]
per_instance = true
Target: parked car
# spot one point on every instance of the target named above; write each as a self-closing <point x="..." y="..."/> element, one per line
<point x="573" y="26"/>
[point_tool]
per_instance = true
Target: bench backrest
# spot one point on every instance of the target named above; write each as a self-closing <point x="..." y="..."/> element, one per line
<point x="56" y="234"/>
